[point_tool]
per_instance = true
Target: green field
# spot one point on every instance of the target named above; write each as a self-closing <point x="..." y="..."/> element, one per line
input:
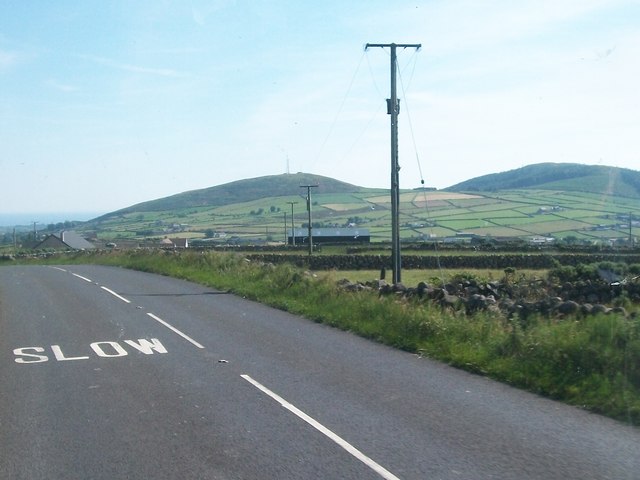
<point x="432" y="215"/>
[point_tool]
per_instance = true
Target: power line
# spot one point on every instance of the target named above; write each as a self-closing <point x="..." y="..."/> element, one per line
<point x="344" y="99"/>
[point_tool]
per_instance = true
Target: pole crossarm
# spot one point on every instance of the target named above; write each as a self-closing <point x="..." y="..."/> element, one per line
<point x="393" y="108"/>
<point x="400" y="45"/>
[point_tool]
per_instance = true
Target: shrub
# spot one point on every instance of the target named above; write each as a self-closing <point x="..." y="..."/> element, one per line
<point x="563" y="273"/>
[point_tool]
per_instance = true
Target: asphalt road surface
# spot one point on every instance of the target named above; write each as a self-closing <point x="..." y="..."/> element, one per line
<point x="107" y="373"/>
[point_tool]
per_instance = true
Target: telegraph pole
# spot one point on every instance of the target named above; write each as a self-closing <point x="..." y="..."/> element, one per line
<point x="293" y="232"/>
<point x="285" y="228"/>
<point x="393" y="108"/>
<point x="309" y="187"/>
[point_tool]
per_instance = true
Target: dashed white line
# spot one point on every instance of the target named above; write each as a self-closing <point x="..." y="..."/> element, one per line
<point x="82" y="278"/>
<point x="175" y="330"/>
<point x="126" y="300"/>
<point x="379" y="469"/>
<point x="116" y="295"/>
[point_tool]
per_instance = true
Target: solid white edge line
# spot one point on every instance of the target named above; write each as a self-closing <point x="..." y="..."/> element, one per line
<point x="379" y="469"/>
<point x="82" y="278"/>
<point x="175" y="330"/>
<point x="115" y="294"/>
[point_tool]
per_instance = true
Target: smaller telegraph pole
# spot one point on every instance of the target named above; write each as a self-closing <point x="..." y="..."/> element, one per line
<point x="309" y="187"/>
<point x="285" y="228"/>
<point x="293" y="232"/>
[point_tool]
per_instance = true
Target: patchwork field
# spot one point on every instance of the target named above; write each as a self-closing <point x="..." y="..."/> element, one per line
<point x="424" y="216"/>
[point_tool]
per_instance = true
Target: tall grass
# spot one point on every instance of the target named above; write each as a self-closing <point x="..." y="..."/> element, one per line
<point x="591" y="362"/>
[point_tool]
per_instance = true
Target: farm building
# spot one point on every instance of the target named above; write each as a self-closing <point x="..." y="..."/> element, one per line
<point x="330" y="235"/>
<point x="174" y="243"/>
<point x="66" y="240"/>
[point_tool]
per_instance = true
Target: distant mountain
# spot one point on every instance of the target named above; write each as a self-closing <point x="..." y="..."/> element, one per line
<point x="559" y="176"/>
<point x="241" y="191"/>
<point x="251" y="210"/>
<point x="542" y="176"/>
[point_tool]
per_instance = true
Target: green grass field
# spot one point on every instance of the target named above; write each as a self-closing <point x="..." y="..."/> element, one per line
<point x="435" y="214"/>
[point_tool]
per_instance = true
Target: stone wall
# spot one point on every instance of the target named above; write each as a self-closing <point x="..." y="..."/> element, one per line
<point x="490" y="261"/>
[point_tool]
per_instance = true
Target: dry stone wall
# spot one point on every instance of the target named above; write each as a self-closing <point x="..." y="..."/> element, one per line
<point x="492" y="261"/>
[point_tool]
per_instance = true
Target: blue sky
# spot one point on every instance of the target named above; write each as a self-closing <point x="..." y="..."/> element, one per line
<point x="104" y="104"/>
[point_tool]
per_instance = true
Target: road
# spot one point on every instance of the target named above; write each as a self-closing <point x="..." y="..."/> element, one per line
<point x="107" y="373"/>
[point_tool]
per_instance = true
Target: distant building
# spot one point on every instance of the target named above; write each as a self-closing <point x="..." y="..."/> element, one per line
<point x="180" y="242"/>
<point x="462" y="237"/>
<point x="174" y="243"/>
<point x="541" y="240"/>
<point x="65" y="240"/>
<point x="331" y="235"/>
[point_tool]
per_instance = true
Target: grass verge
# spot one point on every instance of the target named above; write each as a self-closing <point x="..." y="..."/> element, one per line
<point x="592" y="362"/>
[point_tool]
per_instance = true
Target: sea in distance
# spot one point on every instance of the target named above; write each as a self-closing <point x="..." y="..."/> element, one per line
<point x="44" y="218"/>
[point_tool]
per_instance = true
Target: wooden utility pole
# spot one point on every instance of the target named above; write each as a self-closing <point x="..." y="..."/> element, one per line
<point x="293" y="232"/>
<point x="393" y="108"/>
<point x="309" y="187"/>
<point x="285" y="228"/>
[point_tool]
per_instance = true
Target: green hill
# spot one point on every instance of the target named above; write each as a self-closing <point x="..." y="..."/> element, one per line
<point x="592" y="204"/>
<point x="241" y="191"/>
<point x="559" y="176"/>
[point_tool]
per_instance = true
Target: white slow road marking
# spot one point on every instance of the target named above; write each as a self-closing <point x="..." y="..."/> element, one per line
<point x="115" y="294"/>
<point x="81" y="277"/>
<point x="175" y="330"/>
<point x="379" y="469"/>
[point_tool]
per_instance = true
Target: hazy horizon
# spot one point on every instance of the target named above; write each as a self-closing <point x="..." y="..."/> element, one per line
<point x="44" y="218"/>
